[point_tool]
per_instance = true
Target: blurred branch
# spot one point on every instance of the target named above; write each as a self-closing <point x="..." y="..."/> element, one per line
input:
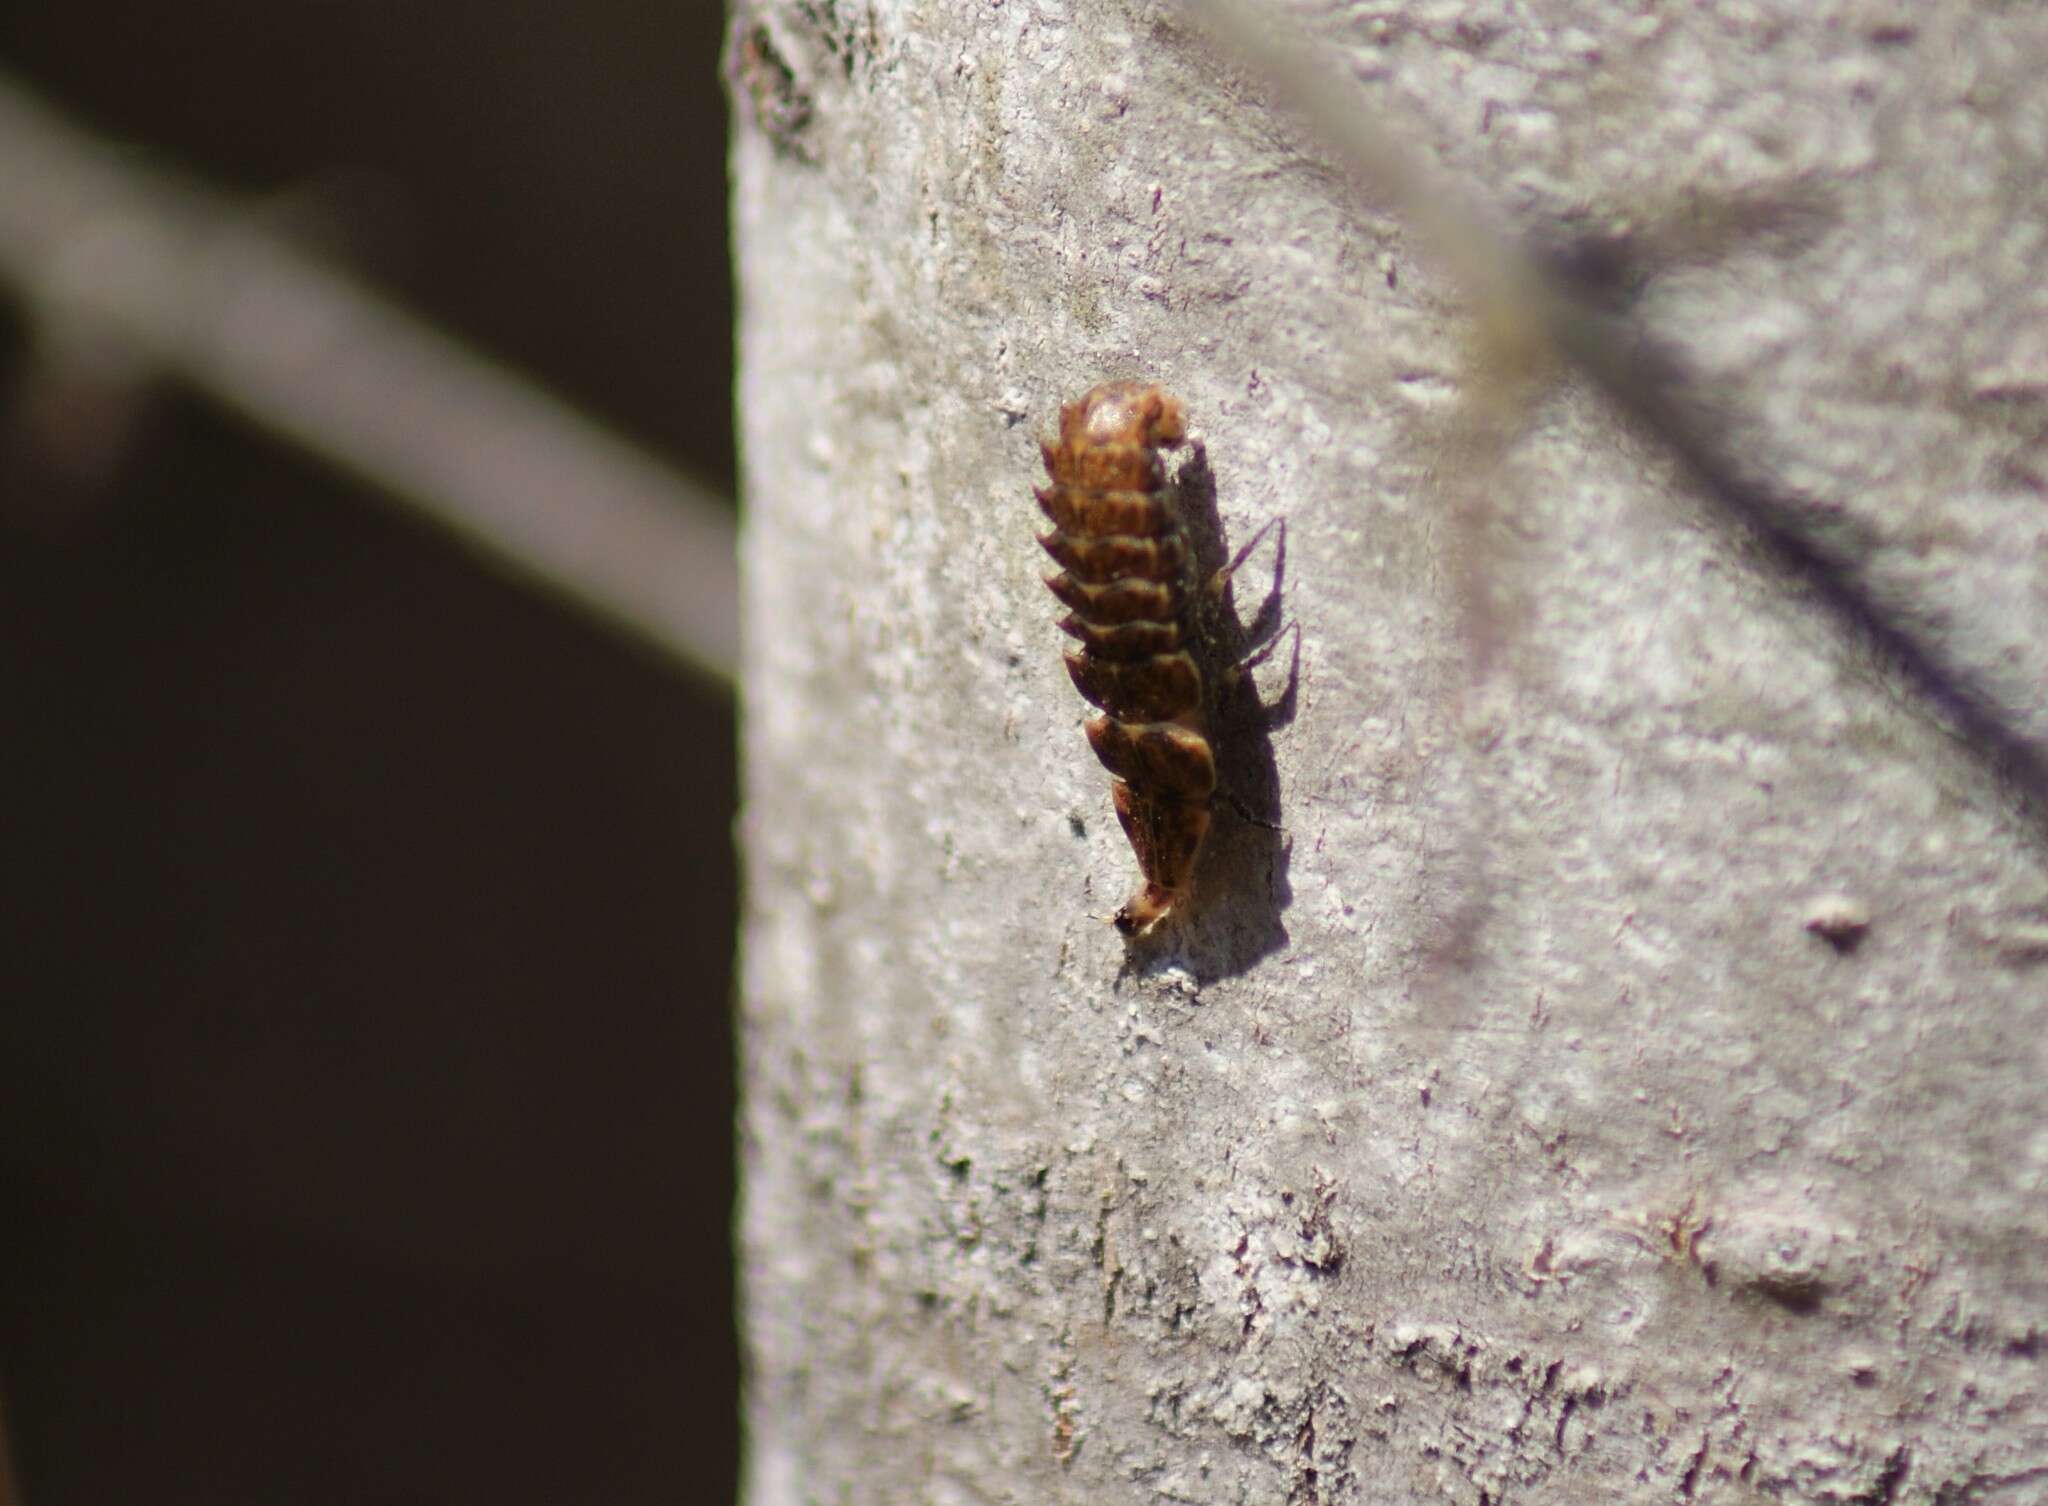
<point x="1527" y="311"/>
<point x="88" y="240"/>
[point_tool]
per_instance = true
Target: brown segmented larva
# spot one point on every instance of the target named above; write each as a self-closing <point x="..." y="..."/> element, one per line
<point x="1126" y="579"/>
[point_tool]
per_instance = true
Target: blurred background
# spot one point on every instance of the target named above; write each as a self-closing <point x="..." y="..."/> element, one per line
<point x="366" y="1126"/>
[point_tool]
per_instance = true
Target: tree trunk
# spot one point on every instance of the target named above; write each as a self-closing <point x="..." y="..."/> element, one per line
<point x="1620" y="1077"/>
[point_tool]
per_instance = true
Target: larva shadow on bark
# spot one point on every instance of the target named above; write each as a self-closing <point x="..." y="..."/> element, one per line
<point x="1159" y="651"/>
<point x="1241" y="886"/>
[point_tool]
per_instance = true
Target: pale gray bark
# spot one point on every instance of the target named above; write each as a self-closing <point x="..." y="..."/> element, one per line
<point x="1501" y="1132"/>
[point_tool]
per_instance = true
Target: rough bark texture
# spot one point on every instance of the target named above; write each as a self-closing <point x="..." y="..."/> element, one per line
<point x="1500" y="1132"/>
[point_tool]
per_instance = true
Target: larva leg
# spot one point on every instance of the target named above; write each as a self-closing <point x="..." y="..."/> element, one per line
<point x="1220" y="581"/>
<point x="1237" y="671"/>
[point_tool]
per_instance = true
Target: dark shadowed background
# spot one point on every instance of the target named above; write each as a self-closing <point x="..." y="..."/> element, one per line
<point x="365" y="1132"/>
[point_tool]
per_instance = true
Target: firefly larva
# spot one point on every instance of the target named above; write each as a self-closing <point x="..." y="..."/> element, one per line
<point x="1127" y="579"/>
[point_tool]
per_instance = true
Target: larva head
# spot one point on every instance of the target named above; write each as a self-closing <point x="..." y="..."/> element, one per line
<point x="1124" y="413"/>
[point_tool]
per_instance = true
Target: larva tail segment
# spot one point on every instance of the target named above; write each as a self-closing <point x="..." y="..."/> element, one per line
<point x="1166" y="836"/>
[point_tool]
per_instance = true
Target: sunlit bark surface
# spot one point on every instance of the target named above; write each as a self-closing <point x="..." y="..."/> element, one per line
<point x="1621" y="1078"/>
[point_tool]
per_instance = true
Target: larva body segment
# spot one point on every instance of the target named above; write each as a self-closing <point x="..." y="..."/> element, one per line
<point x="1125" y="579"/>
